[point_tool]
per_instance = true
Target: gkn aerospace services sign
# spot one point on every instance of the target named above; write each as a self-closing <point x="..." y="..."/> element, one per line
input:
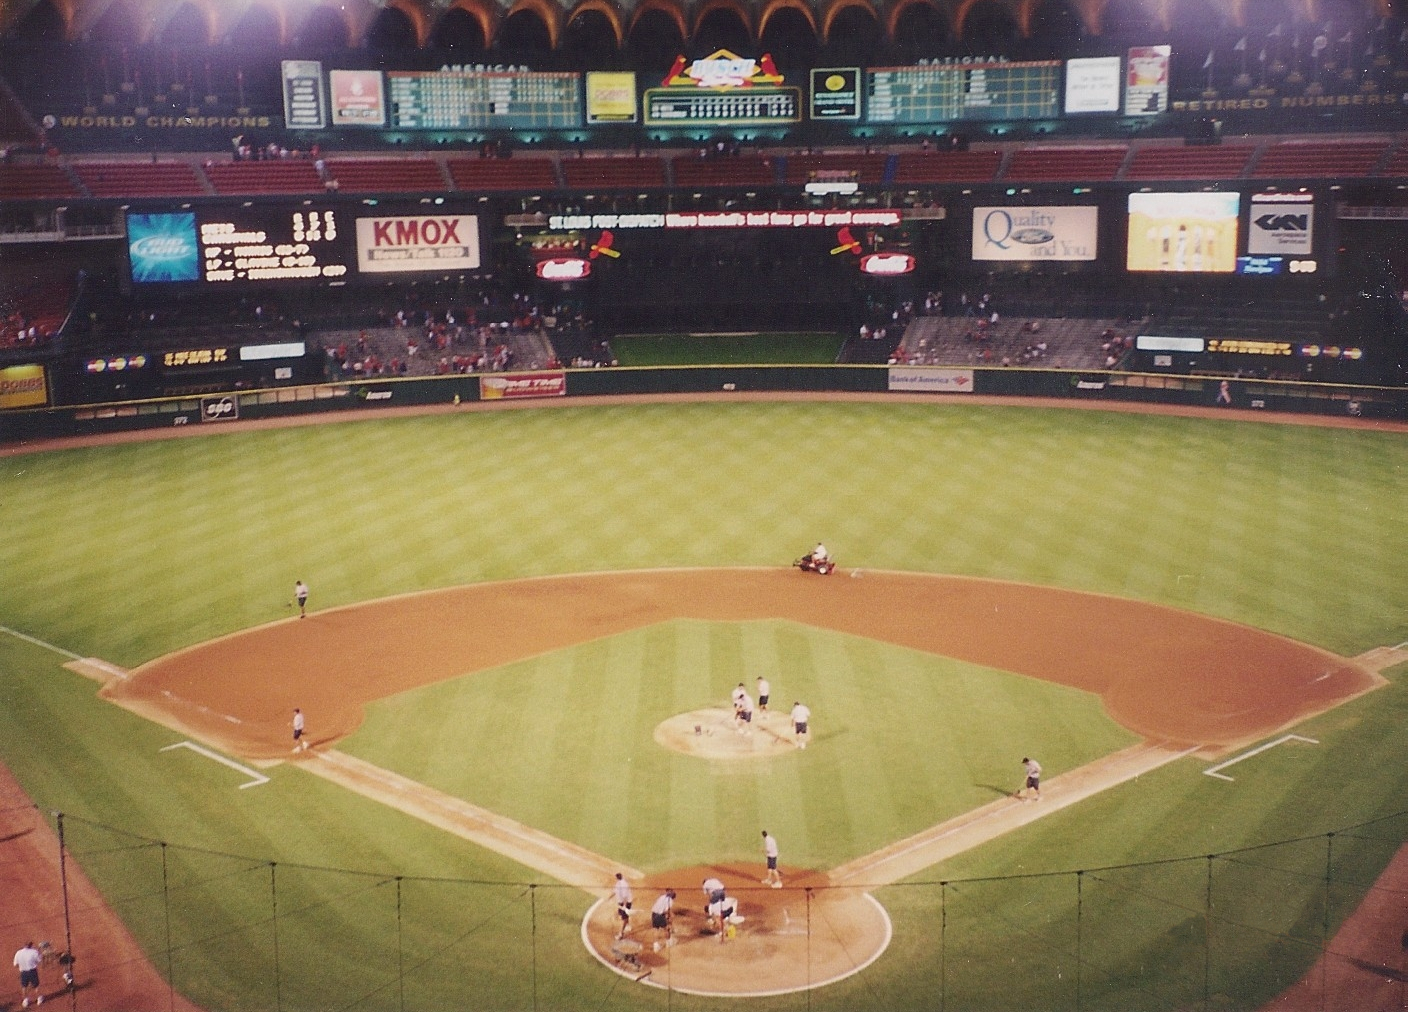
<point x="1034" y="233"/>
<point x="1281" y="226"/>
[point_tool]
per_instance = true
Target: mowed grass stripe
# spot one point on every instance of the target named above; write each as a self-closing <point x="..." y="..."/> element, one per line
<point x="570" y="748"/>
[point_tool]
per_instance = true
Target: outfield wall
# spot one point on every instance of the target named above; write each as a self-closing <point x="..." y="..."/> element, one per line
<point x="1188" y="391"/>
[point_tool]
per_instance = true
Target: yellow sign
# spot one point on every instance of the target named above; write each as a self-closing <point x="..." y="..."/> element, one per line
<point x="611" y="96"/>
<point x="23" y="386"/>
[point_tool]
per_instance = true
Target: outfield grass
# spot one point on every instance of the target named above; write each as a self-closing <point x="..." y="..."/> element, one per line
<point x="727" y="349"/>
<point x="128" y="552"/>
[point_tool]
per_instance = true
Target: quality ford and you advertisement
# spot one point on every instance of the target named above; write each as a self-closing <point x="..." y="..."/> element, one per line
<point x="1035" y="233"/>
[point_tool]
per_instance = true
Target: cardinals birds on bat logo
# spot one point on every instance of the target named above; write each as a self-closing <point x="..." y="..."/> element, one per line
<point x="602" y="247"/>
<point x="846" y="241"/>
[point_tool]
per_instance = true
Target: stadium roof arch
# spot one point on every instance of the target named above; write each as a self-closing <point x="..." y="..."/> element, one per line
<point x="85" y="19"/>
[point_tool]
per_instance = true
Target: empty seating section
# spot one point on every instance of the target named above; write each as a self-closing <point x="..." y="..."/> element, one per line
<point x="743" y="170"/>
<point x="386" y="175"/>
<point x="1320" y="159"/>
<point x="614" y="173"/>
<point x="279" y="176"/>
<point x="868" y="167"/>
<point x="1397" y="164"/>
<point x="139" y="179"/>
<point x="479" y="174"/>
<point x="35" y="182"/>
<point x="947" y="166"/>
<point x="1208" y="162"/>
<point x="1065" y="165"/>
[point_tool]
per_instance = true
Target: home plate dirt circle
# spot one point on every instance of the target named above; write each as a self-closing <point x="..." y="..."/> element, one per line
<point x="805" y="935"/>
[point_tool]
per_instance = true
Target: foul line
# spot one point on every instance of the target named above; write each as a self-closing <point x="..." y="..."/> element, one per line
<point x="1212" y="771"/>
<point x="256" y="778"/>
<point x="39" y="643"/>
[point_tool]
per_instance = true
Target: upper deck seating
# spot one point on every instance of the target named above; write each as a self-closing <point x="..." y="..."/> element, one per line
<point x="1320" y="159"/>
<point x="139" y="179"/>
<point x="527" y="173"/>
<point x="35" y="182"/>
<point x="278" y="176"/>
<point x="1213" y="163"/>
<point x="740" y="170"/>
<point x="614" y="173"/>
<point x="947" y="166"/>
<point x="386" y="175"/>
<point x="1065" y="165"/>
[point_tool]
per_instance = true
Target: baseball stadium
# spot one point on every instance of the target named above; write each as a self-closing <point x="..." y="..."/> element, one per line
<point x="704" y="504"/>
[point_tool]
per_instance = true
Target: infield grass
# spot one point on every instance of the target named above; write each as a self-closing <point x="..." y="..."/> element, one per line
<point x="128" y="552"/>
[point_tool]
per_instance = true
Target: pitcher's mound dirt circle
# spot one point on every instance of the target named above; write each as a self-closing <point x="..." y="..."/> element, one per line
<point x="807" y="934"/>
<point x="714" y="734"/>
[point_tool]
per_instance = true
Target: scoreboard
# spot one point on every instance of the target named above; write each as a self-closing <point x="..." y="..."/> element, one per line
<point x="273" y="245"/>
<point x="722" y="107"/>
<point x="493" y="100"/>
<point x="945" y="93"/>
<point x="232" y="245"/>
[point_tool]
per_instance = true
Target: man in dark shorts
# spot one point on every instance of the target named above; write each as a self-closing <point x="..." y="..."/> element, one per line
<point x="27" y="961"/>
<point x="661" y="913"/>
<point x="1033" y="780"/>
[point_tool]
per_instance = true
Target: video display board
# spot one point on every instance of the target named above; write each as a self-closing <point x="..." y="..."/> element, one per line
<point x="944" y="93"/>
<point x="1186" y="231"/>
<point x="320" y="244"/>
<point x="489" y="100"/>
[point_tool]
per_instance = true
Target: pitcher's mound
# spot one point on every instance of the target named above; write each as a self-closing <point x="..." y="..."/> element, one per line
<point x="806" y="934"/>
<point x="714" y="734"/>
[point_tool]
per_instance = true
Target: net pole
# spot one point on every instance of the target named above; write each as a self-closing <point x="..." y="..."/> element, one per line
<point x="1325" y="920"/>
<point x="1080" y="921"/>
<point x="943" y="946"/>
<point x="63" y="886"/>
<point x="400" y="952"/>
<point x="274" y="924"/>
<point x="1207" y="938"/>
<point x="166" y="914"/>
<point x="533" y="940"/>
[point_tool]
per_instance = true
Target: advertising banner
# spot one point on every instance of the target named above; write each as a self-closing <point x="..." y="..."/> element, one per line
<point x="162" y="247"/>
<point x="508" y="386"/>
<point x="611" y="97"/>
<point x="1093" y="84"/>
<point x="430" y="242"/>
<point x="23" y="386"/>
<point x="1035" y="233"/>
<point x="1146" y="80"/>
<point x="1281" y="227"/>
<point x="358" y="98"/>
<point x="920" y="380"/>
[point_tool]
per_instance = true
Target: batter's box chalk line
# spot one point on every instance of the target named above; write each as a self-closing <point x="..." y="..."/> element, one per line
<point x="1214" y="771"/>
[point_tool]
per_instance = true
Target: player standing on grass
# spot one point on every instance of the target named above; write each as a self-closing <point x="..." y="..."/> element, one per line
<point x="800" y="716"/>
<point x="300" y="594"/>
<point x="764" y="691"/>
<point x="773" y="877"/>
<point x="1033" y="780"/>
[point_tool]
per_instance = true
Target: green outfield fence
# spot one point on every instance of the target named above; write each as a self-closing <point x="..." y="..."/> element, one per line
<point x="376" y="394"/>
<point x="235" y="932"/>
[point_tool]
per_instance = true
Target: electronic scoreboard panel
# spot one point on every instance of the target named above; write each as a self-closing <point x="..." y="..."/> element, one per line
<point x="229" y="244"/>
<point x="944" y="93"/>
<point x="490" y="100"/>
<point x="262" y="244"/>
<point x="722" y="107"/>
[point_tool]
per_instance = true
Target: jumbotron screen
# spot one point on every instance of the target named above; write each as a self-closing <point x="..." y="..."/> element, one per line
<point x="321" y="244"/>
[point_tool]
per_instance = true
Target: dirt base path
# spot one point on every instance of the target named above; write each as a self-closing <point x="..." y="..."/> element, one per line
<point x="1183" y="678"/>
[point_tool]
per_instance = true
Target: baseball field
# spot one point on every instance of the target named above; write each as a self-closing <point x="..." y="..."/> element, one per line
<point x="523" y="630"/>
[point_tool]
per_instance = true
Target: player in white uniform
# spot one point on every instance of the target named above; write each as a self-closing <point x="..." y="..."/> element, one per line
<point x="661" y="914"/>
<point x="773" y="877"/>
<point x="764" y="691"/>
<point x="624" y="899"/>
<point x="1033" y="780"/>
<point x="801" y="716"/>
